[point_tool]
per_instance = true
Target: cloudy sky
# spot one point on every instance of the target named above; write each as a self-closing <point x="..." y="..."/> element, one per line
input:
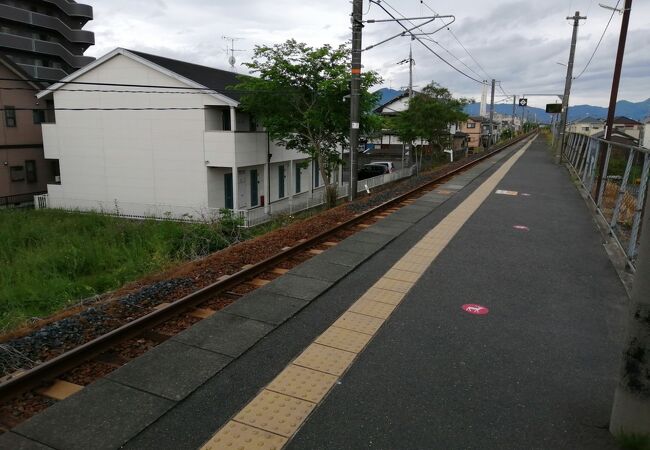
<point x="515" y="41"/>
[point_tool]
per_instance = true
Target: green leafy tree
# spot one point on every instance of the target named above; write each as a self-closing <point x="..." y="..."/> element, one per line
<point x="429" y="115"/>
<point x="300" y="94"/>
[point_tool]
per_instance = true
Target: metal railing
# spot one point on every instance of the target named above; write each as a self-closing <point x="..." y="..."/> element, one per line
<point x="290" y="205"/>
<point x="11" y="201"/>
<point x="40" y="201"/>
<point x="623" y="184"/>
<point x="371" y="183"/>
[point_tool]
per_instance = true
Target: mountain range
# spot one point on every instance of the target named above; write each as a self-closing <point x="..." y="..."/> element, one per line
<point x="637" y="111"/>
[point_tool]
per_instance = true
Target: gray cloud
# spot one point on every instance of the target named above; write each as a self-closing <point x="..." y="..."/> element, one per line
<point x="517" y="42"/>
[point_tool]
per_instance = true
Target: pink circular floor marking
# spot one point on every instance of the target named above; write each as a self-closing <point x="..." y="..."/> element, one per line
<point x="475" y="309"/>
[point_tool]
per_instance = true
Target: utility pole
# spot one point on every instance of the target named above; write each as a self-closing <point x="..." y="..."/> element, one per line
<point x="355" y="92"/>
<point x="567" y="86"/>
<point x="631" y="409"/>
<point x="411" y="147"/>
<point x="611" y="112"/>
<point x="514" y="106"/>
<point x="491" y="117"/>
<point x="411" y="69"/>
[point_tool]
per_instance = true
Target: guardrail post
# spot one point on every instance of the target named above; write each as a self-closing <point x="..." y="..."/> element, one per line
<point x="638" y="212"/>
<point x="621" y="191"/>
<point x="603" y="177"/>
<point x="593" y="168"/>
<point x="583" y="157"/>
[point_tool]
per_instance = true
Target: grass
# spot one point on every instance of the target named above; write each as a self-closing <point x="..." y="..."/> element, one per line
<point x="632" y="441"/>
<point x="52" y="259"/>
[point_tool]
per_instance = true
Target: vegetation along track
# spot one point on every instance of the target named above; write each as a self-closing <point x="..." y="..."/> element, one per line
<point x="93" y="359"/>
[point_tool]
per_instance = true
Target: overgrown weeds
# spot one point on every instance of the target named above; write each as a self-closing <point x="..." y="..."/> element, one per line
<point x="52" y="259"/>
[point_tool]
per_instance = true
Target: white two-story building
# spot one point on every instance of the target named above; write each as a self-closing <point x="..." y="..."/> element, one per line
<point x="142" y="135"/>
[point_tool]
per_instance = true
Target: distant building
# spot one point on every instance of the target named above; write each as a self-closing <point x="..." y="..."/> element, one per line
<point x="23" y="168"/>
<point x="592" y="126"/>
<point x="45" y="37"/>
<point x="165" y="162"/>
<point x="473" y="128"/>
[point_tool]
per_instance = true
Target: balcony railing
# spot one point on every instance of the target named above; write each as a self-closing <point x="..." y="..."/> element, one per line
<point x="50" y="48"/>
<point x="73" y="9"/>
<point x="44" y="21"/>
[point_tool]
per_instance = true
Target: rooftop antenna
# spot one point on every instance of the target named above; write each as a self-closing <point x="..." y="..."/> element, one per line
<point x="231" y="59"/>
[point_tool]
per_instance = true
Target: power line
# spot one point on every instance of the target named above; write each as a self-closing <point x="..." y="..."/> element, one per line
<point x="189" y="108"/>
<point x="121" y="91"/>
<point x="478" y="64"/>
<point x="379" y="3"/>
<point x="137" y="88"/>
<point x="600" y="40"/>
<point x="459" y="43"/>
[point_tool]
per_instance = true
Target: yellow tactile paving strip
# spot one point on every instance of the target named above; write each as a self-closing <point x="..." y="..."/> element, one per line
<point x="278" y="411"/>
<point x="303" y="383"/>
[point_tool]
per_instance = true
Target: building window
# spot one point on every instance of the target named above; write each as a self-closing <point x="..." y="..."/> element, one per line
<point x="30" y="171"/>
<point x="225" y="126"/>
<point x="471" y="125"/>
<point x="298" y="173"/>
<point x="17" y="173"/>
<point x="38" y="116"/>
<point x="10" y="116"/>
<point x="280" y="181"/>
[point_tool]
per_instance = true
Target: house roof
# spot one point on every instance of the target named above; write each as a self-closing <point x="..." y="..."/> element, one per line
<point x="392" y="100"/>
<point x="623" y="120"/>
<point x="622" y="136"/>
<point x="476" y="118"/>
<point x="589" y="119"/>
<point x="192" y="75"/>
<point x="15" y="68"/>
<point x="212" y="78"/>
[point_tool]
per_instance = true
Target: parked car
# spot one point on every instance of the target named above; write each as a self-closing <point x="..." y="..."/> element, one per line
<point x="371" y="170"/>
<point x="390" y="167"/>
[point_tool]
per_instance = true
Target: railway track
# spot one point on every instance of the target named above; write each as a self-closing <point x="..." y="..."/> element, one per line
<point x="44" y="373"/>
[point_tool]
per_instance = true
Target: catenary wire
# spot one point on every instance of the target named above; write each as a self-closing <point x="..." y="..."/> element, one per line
<point x="599" y="40"/>
<point x="422" y="2"/>
<point x="379" y="3"/>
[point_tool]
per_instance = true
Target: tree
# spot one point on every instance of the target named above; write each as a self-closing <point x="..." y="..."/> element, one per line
<point x="429" y="115"/>
<point x="300" y="94"/>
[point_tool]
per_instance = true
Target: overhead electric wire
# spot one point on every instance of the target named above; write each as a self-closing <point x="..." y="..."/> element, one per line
<point x="478" y="64"/>
<point x="189" y="108"/>
<point x="422" y="2"/>
<point x="600" y="40"/>
<point x="379" y="3"/>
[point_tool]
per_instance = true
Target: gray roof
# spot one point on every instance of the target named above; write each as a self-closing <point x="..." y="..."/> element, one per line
<point x="215" y="79"/>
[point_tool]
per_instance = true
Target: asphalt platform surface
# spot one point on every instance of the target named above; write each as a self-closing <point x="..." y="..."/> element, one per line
<point x="537" y="372"/>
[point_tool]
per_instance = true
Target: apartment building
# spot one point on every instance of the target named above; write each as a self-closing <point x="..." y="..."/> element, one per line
<point x="45" y="37"/>
<point x="183" y="147"/>
<point x="23" y="169"/>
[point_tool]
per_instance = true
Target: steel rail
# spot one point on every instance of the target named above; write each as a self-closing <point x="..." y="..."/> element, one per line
<point x="50" y="369"/>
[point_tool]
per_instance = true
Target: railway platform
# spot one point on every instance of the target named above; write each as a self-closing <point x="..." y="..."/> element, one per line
<point x="484" y="314"/>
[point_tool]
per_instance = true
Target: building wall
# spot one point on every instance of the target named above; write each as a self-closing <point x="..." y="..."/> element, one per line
<point x="474" y="139"/>
<point x="130" y="158"/>
<point x="22" y="142"/>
